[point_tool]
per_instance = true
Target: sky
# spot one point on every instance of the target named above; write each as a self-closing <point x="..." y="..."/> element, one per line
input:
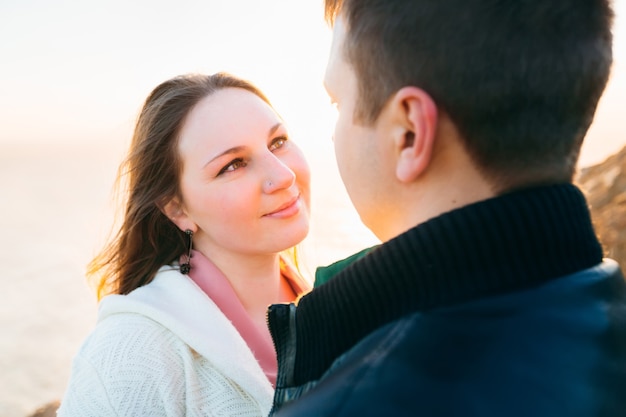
<point x="77" y="71"/>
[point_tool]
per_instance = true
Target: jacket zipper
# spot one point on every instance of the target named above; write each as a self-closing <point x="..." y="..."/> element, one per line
<point x="281" y="321"/>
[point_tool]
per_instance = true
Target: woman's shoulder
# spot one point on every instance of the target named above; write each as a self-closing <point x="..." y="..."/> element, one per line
<point x="125" y="355"/>
<point x="125" y="338"/>
<point x="130" y="357"/>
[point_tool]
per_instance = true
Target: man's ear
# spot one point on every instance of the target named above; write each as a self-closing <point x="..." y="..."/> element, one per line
<point x="415" y="131"/>
<point x="174" y="210"/>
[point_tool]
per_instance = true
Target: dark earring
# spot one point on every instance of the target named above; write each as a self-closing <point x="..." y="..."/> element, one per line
<point x="186" y="267"/>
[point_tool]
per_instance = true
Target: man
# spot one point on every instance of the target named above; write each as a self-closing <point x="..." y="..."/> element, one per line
<point x="459" y="128"/>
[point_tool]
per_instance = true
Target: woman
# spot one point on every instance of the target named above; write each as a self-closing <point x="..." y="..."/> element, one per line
<point x="182" y="331"/>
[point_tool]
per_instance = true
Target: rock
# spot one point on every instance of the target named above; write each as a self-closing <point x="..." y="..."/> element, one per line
<point x="48" y="410"/>
<point x="605" y="187"/>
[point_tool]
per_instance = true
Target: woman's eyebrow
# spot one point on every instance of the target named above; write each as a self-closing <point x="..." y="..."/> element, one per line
<point x="274" y="128"/>
<point x="235" y="149"/>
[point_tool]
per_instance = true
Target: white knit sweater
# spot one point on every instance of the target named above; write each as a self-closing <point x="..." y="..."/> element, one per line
<point x="165" y="350"/>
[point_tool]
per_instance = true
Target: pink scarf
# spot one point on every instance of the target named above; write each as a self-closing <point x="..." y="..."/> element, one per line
<point x="215" y="284"/>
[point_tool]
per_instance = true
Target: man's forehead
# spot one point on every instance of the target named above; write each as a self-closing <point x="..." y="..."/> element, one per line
<point x="335" y="59"/>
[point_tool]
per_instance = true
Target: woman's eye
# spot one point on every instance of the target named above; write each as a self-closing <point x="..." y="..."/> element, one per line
<point x="277" y="143"/>
<point x="232" y="166"/>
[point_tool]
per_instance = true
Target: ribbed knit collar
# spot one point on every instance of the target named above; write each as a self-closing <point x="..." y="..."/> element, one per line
<point x="508" y="243"/>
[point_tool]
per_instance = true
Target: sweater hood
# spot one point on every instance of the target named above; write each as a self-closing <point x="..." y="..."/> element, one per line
<point x="177" y="303"/>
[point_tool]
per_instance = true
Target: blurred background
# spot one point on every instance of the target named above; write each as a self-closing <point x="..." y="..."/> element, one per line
<point x="73" y="75"/>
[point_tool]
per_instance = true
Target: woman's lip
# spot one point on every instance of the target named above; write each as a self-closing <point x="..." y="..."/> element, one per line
<point x="286" y="210"/>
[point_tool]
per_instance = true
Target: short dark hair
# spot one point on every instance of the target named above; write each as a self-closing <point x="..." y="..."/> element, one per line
<point x="519" y="79"/>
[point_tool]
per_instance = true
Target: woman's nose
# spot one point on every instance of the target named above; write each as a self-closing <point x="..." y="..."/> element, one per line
<point x="278" y="176"/>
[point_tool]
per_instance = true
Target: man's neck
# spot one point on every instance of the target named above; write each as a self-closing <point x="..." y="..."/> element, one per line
<point x="451" y="182"/>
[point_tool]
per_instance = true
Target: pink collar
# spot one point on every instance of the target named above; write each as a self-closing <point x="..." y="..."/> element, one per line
<point x="215" y="284"/>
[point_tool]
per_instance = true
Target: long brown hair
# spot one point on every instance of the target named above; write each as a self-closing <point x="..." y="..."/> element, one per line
<point x="147" y="239"/>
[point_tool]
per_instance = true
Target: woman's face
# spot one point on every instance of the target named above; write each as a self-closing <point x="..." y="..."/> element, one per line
<point x="245" y="185"/>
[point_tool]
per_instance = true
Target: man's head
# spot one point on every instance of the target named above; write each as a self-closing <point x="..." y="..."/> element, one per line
<point x="518" y="80"/>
